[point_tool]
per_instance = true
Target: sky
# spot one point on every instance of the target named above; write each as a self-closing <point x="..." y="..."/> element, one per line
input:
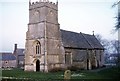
<point x="74" y="15"/>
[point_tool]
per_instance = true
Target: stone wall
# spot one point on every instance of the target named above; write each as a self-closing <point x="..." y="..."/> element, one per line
<point x="43" y="27"/>
<point x="9" y="64"/>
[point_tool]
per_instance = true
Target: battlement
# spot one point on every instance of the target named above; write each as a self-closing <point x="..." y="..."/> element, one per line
<point x="41" y="3"/>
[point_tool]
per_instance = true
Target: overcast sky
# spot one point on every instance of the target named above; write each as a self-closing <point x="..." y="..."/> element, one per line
<point x="74" y="15"/>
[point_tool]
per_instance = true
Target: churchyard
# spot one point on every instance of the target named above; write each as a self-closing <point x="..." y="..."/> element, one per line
<point x="102" y="74"/>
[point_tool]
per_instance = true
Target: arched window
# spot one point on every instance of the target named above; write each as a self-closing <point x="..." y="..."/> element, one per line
<point x="38" y="48"/>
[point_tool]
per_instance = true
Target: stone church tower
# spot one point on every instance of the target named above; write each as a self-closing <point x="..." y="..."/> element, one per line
<point x="44" y="49"/>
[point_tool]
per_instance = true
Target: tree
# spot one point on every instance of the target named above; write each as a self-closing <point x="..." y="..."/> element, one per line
<point x="117" y="27"/>
<point x="115" y="45"/>
<point x="106" y="43"/>
<point x="118" y="17"/>
<point x="111" y="47"/>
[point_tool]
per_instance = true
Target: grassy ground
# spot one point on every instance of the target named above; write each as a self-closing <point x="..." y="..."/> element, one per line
<point x="109" y="73"/>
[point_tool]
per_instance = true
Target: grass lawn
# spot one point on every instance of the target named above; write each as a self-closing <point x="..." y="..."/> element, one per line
<point x="110" y="73"/>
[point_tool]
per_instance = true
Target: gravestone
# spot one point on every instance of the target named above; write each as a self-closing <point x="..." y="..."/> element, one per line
<point x="67" y="75"/>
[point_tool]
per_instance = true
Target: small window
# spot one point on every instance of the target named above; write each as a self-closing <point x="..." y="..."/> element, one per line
<point x="6" y="62"/>
<point x="51" y="12"/>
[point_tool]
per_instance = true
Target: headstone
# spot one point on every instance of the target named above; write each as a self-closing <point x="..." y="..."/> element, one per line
<point x="67" y="75"/>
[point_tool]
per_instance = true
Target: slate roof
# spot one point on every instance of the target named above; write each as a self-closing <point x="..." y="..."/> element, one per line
<point x="7" y="56"/>
<point x="79" y="40"/>
<point x="93" y="42"/>
<point x="20" y="51"/>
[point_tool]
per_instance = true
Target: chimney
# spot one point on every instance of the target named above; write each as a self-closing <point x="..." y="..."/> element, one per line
<point x="15" y="48"/>
<point x="93" y="32"/>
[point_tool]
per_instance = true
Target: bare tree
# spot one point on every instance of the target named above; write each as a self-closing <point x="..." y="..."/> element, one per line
<point x="106" y="43"/>
<point x="115" y="45"/>
<point x="117" y="27"/>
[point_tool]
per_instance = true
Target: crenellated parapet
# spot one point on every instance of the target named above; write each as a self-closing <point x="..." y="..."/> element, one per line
<point x="42" y="3"/>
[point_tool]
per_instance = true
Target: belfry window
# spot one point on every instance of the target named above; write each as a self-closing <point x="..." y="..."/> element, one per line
<point x="38" y="48"/>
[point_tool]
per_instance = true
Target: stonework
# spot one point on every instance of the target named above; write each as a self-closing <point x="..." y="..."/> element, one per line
<point x="43" y="28"/>
<point x="7" y="60"/>
<point x="48" y="47"/>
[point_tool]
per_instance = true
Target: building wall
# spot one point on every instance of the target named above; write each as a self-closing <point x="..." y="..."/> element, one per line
<point x="78" y="57"/>
<point x="9" y="64"/>
<point x="85" y="59"/>
<point x="21" y="61"/>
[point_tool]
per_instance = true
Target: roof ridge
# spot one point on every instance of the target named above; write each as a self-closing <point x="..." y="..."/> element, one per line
<point x="75" y="32"/>
<point x="87" y="34"/>
<point x="69" y="31"/>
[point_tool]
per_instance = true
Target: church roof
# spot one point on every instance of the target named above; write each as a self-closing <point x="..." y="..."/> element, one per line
<point x="79" y="40"/>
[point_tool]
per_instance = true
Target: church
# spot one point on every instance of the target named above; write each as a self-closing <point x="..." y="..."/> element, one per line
<point x="48" y="47"/>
